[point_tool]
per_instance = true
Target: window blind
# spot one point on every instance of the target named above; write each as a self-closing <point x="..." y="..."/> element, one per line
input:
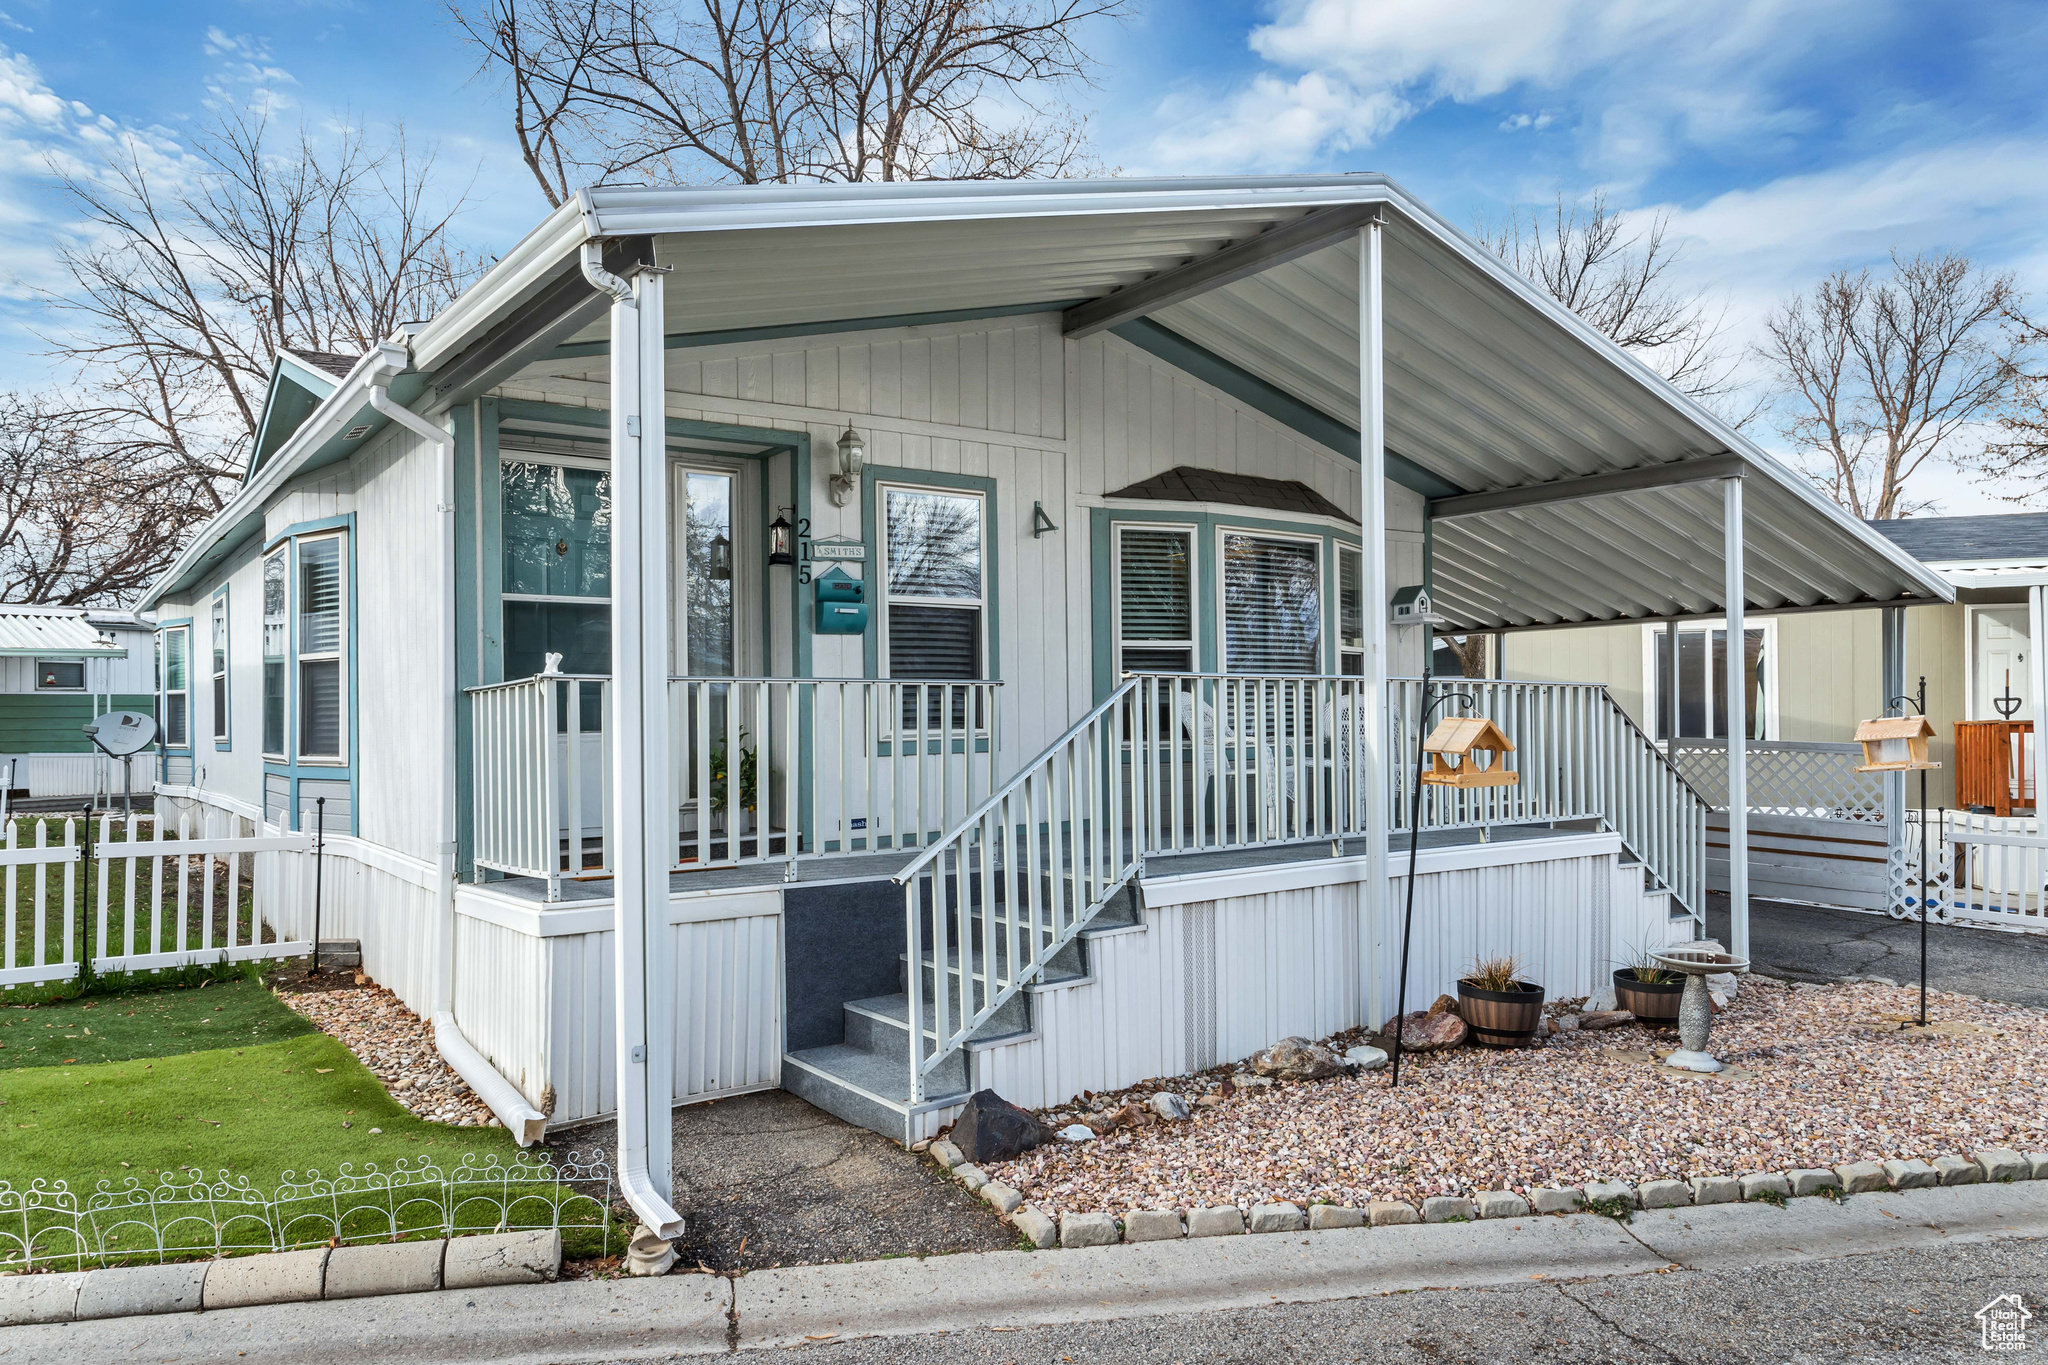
<point x="177" y="644"/>
<point x="1272" y="605"/>
<point x="934" y="642"/>
<point x="274" y="646"/>
<point x="320" y="643"/>
<point x="1155" y="600"/>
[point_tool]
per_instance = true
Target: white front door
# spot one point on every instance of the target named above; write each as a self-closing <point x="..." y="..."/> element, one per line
<point x="1999" y="687"/>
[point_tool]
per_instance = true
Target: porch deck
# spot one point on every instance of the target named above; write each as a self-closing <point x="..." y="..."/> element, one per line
<point x="843" y="869"/>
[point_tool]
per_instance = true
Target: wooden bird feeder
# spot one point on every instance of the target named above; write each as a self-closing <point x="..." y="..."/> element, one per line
<point x="1895" y="744"/>
<point x="1452" y="754"/>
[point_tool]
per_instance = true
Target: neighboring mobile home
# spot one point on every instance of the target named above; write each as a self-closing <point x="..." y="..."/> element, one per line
<point x="888" y="640"/>
<point x="60" y="667"/>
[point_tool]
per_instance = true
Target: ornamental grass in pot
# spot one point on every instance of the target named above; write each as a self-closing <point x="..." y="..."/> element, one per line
<point x="1498" y="1007"/>
<point x="1649" y="992"/>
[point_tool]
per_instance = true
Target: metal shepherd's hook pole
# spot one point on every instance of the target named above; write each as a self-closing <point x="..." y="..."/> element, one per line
<point x="319" y="848"/>
<point x="1414" y="842"/>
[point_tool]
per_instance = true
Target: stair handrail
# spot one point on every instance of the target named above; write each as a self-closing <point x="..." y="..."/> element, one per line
<point x="1085" y="857"/>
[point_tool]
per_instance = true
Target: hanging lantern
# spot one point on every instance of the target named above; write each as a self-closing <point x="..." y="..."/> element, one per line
<point x="781" y="541"/>
<point x="1453" y="751"/>
<point x="718" y="563"/>
<point x="1895" y="744"/>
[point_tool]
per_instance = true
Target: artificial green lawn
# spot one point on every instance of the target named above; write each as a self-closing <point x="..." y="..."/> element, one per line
<point x="274" y="1104"/>
<point x="112" y="1028"/>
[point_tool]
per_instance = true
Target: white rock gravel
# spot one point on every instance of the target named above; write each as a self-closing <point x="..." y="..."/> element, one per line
<point x="398" y="1048"/>
<point x="1822" y="1076"/>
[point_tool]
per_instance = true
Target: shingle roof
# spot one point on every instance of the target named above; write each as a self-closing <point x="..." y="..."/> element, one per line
<point x="332" y="362"/>
<point x="1945" y="540"/>
<point x="1187" y="484"/>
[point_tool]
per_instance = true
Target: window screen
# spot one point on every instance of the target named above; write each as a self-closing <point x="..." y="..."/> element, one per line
<point x="1272" y="605"/>
<point x="1155" y="600"/>
<point x="321" y="627"/>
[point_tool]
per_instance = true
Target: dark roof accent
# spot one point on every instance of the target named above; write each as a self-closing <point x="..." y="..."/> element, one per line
<point x="1188" y="484"/>
<point x="1943" y="540"/>
<point x="332" y="362"/>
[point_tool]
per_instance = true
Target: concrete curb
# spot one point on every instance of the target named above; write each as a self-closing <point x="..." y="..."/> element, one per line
<point x="500" y="1258"/>
<point x="1093" y="1229"/>
<point x="701" y="1315"/>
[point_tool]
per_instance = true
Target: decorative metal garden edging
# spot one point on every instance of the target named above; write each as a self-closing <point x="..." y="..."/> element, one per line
<point x="185" y="1216"/>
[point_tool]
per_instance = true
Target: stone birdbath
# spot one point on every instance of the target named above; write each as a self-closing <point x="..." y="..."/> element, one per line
<point x="1695" y="1008"/>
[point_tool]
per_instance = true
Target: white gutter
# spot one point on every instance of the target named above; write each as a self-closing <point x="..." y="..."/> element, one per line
<point x="526" y="1123"/>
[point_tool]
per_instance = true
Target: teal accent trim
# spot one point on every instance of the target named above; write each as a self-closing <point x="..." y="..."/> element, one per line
<point x="991" y="592"/>
<point x="346" y="521"/>
<point x="222" y="744"/>
<point x="489" y="581"/>
<point x="1278" y="404"/>
<point x="1208" y="626"/>
<point x="729" y="336"/>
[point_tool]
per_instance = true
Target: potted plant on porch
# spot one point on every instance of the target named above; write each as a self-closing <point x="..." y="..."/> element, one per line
<point x="749" y="776"/>
<point x="1500" y="1008"/>
<point x="1648" y="991"/>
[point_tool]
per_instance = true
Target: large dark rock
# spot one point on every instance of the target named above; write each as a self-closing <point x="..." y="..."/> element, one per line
<point x="1425" y="1032"/>
<point x="990" y="1128"/>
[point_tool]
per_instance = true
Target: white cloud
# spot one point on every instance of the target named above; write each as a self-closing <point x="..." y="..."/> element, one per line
<point x="1644" y="76"/>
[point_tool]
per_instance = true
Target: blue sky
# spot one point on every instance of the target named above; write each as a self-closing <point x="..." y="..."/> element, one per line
<point x="1782" y="138"/>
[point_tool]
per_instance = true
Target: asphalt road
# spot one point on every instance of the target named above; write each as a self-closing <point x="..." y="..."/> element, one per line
<point x="1895" y="1307"/>
<point x="1808" y="943"/>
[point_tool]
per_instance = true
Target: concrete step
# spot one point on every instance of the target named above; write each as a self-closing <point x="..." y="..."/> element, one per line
<point x="869" y="1090"/>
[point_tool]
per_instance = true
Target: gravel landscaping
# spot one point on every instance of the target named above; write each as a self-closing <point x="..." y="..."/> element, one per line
<point x="395" y="1044"/>
<point x="1820" y="1075"/>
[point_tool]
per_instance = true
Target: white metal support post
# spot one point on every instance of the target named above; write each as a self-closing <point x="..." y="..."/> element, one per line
<point x="1893" y="667"/>
<point x="1670" y="717"/>
<point x="1375" y="934"/>
<point x="1738" y="720"/>
<point x="640" y="746"/>
<point x="2037" y="677"/>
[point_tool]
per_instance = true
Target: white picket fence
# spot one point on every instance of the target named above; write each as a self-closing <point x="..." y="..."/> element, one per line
<point x="1984" y="870"/>
<point x="151" y="895"/>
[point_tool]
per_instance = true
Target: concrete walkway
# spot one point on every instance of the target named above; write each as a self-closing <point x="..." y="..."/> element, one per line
<point x="998" y="1291"/>
<point x="1811" y="943"/>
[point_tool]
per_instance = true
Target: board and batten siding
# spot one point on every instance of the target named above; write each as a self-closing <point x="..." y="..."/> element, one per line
<point x="1829" y="673"/>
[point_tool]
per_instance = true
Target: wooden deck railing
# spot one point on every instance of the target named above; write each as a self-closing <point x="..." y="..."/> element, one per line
<point x="1995" y="764"/>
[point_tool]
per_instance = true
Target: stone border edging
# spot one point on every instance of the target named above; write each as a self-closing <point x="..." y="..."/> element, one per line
<point x="1612" y="1197"/>
<point x="282" y="1277"/>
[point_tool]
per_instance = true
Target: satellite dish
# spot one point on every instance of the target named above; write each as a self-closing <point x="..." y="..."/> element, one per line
<point x="121" y="733"/>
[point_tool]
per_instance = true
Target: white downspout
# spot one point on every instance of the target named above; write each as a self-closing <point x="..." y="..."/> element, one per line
<point x="526" y="1123"/>
<point x="643" y="1024"/>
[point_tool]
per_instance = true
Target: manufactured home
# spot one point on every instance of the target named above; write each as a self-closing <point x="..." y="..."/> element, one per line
<point x="889" y="640"/>
<point x="59" y="668"/>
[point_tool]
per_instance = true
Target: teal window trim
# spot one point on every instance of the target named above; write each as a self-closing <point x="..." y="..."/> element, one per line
<point x="293" y="767"/>
<point x="222" y="705"/>
<point x="163" y="629"/>
<point x="1208" y="524"/>
<point x="991" y="592"/>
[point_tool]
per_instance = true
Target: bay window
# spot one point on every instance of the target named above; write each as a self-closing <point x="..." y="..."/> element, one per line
<point x="1154" y="599"/>
<point x="1272" y="604"/>
<point x="557" y="531"/>
<point x="177" y="650"/>
<point x="219" y="634"/>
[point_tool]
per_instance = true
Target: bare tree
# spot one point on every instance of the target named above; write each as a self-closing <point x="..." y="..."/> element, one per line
<point x="184" y="293"/>
<point x="82" y="520"/>
<point x="759" y="91"/>
<point x="2020" y="455"/>
<point x="1878" y="376"/>
<point x="1469" y="650"/>
<point x="1592" y="259"/>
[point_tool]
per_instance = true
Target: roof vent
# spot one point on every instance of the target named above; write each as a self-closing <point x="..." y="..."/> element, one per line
<point x="356" y="433"/>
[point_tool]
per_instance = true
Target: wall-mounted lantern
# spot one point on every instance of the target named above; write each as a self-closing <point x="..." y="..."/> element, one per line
<point x="781" y="541"/>
<point x="853" y="457"/>
<point x="1454" y="749"/>
<point x="1895" y="744"/>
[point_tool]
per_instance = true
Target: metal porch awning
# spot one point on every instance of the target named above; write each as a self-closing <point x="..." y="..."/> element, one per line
<point x="30" y="634"/>
<point x="1491" y="387"/>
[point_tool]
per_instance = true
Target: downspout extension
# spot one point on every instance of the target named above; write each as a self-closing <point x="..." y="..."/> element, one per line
<point x="526" y="1124"/>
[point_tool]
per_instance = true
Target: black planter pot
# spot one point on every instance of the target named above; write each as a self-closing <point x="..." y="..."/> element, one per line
<point x="1652" y="1002"/>
<point x="1501" y="1018"/>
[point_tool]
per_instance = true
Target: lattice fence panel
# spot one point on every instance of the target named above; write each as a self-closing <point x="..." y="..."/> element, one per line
<point x="1815" y="780"/>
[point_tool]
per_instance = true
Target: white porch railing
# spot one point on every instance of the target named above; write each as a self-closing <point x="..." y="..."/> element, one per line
<point x="763" y="769"/>
<point x="1187" y="763"/>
